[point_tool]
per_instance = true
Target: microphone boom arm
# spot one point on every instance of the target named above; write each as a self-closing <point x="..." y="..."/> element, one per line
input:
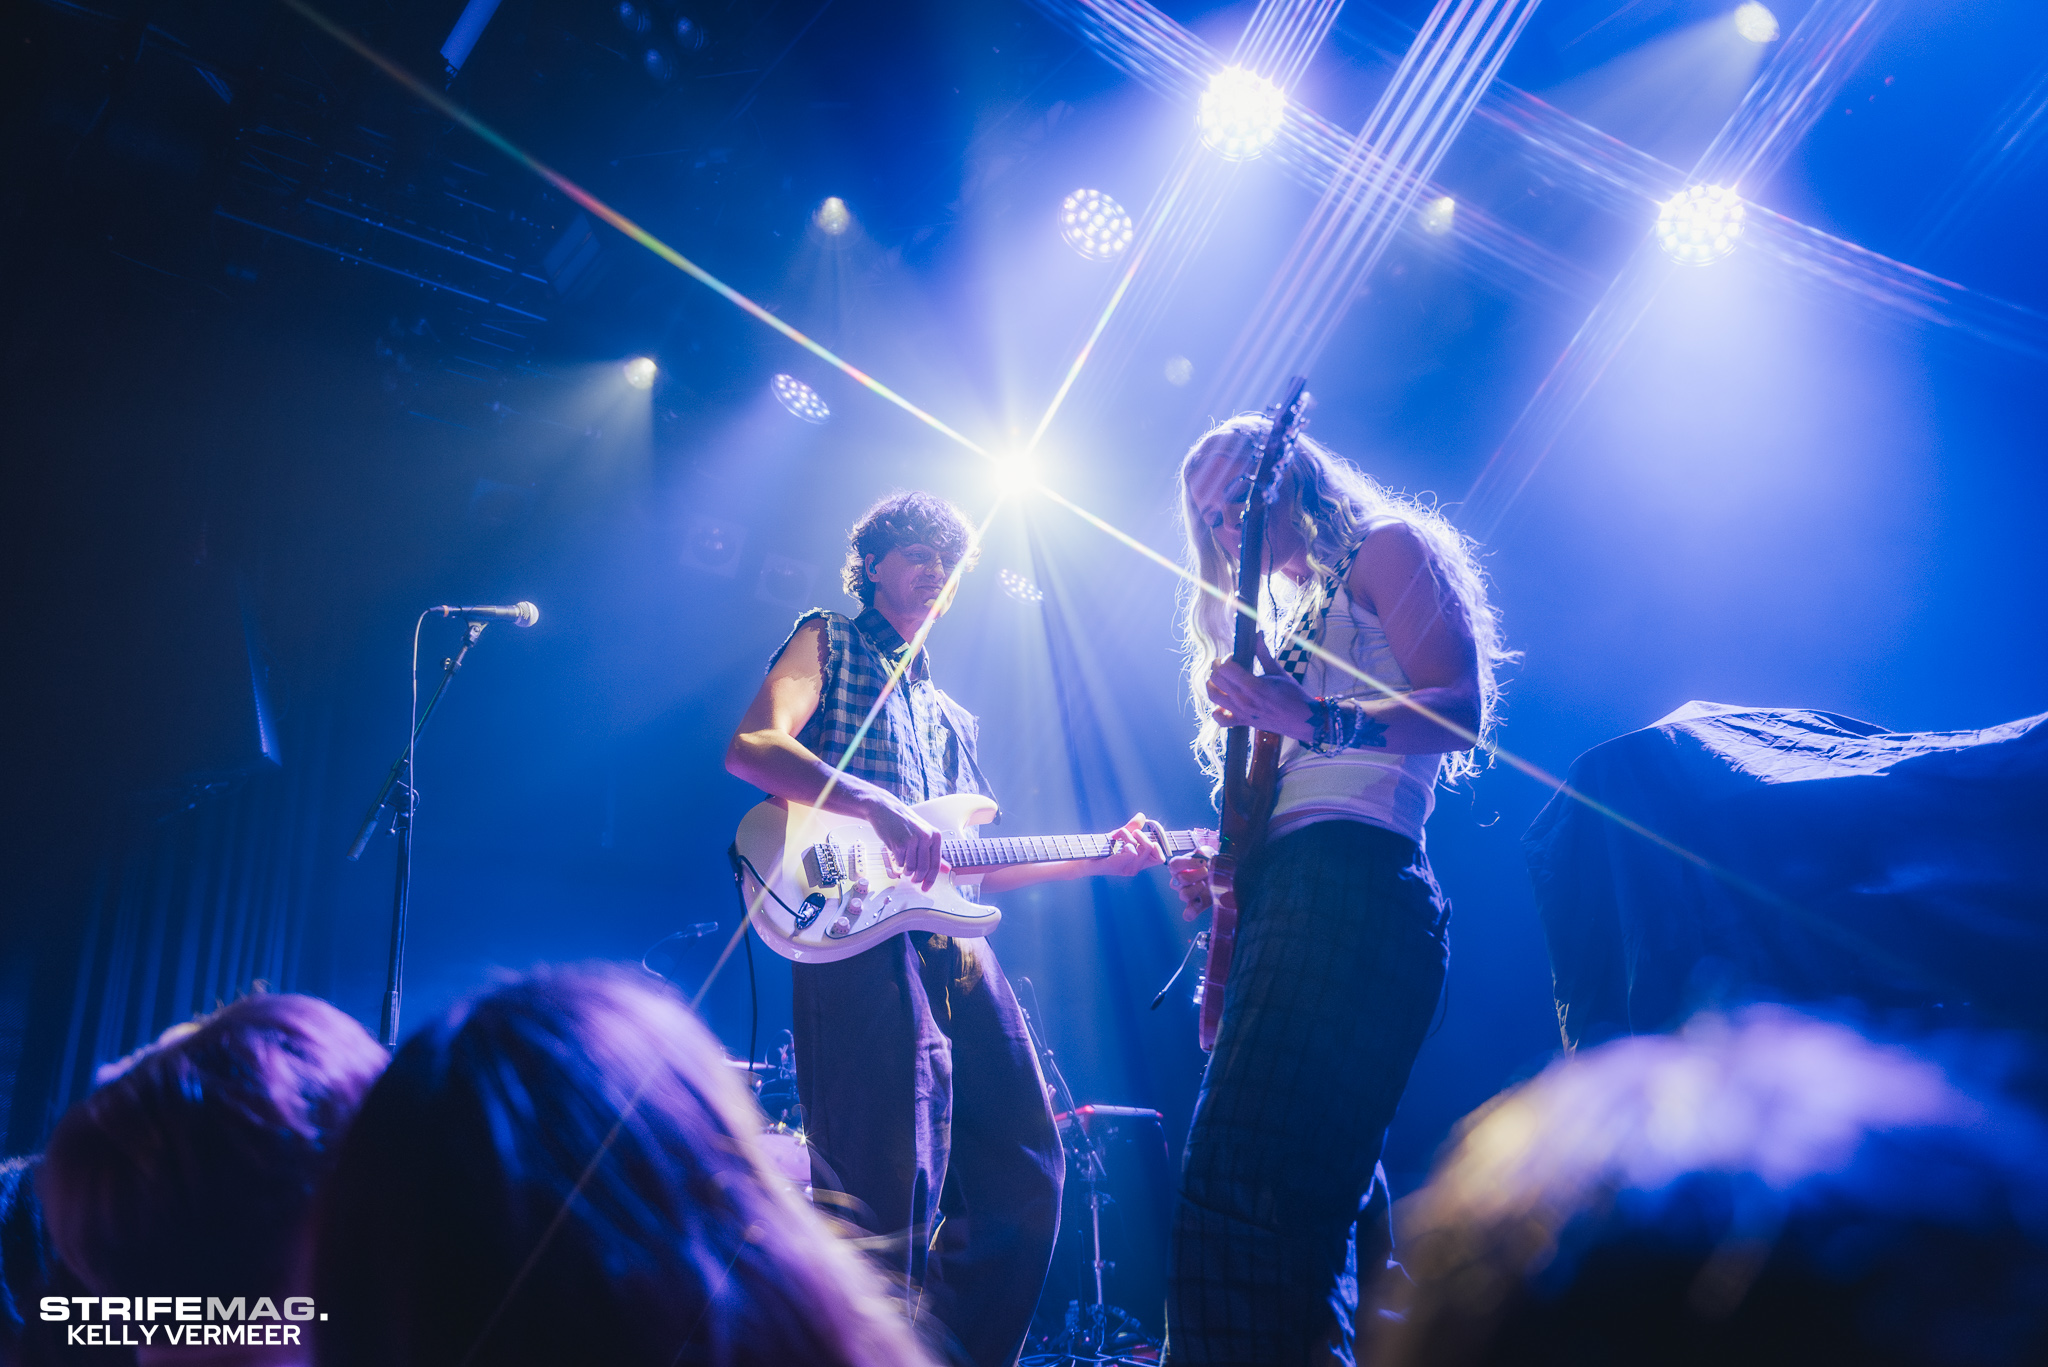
<point x="398" y="766"/>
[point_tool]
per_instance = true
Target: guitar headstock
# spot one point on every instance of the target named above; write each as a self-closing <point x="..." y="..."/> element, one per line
<point x="1287" y="418"/>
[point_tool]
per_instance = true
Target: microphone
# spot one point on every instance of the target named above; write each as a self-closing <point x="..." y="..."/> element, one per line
<point x="525" y="614"/>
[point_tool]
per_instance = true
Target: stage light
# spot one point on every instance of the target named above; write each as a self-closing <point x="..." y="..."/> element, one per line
<point x="1240" y="113"/>
<point x="1179" y="370"/>
<point x="657" y="64"/>
<point x="1020" y="588"/>
<point x="799" y="398"/>
<point x="1015" y="472"/>
<point x="1439" y="216"/>
<point x="1095" y="225"/>
<point x="632" y="18"/>
<point x="1756" y="23"/>
<point x="832" y="216"/>
<point x="1700" y="224"/>
<point x="640" y="372"/>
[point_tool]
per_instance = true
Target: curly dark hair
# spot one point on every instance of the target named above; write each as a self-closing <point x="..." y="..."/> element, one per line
<point x="906" y="519"/>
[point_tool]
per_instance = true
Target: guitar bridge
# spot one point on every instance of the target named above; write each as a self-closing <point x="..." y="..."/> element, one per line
<point x="823" y="863"/>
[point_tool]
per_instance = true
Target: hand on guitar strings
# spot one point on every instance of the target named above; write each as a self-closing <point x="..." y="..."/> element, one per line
<point x="914" y="844"/>
<point x="1190" y="878"/>
<point x="1271" y="701"/>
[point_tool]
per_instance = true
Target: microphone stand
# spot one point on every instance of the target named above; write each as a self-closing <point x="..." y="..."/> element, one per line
<point x="398" y="795"/>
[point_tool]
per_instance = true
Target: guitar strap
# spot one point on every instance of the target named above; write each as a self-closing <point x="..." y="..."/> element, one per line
<point x="1294" y="657"/>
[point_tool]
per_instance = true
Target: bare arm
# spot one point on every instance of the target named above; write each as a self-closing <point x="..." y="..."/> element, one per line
<point x="1429" y="635"/>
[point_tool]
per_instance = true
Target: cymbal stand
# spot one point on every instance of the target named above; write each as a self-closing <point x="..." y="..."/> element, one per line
<point x="1089" y="1328"/>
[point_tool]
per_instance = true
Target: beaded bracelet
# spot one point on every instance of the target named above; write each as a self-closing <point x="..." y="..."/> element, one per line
<point x="1340" y="725"/>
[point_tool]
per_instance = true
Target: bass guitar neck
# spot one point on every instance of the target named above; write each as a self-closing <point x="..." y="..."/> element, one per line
<point x="1251" y="760"/>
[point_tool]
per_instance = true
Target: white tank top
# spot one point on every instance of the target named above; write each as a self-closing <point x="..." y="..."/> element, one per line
<point x="1373" y="786"/>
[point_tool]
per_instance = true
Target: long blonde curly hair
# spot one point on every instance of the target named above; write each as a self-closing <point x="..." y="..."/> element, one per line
<point x="1333" y="505"/>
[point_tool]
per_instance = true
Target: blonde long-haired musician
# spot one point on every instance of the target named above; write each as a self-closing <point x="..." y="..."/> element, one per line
<point x="1341" y="945"/>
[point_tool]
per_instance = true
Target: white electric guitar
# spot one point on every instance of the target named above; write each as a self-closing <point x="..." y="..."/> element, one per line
<point x="818" y="886"/>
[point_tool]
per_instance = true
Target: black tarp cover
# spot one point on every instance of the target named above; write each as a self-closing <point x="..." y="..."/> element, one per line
<point x="1895" y="869"/>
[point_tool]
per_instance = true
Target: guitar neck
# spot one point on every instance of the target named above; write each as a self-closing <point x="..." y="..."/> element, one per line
<point x="1000" y="852"/>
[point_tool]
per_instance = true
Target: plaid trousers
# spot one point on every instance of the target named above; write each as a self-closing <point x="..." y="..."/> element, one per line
<point x="1340" y="960"/>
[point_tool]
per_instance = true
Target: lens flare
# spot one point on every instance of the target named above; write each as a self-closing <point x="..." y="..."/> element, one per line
<point x="1095" y="225"/>
<point x="1756" y="23"/>
<point x="1700" y="224"/>
<point x="1439" y="216"/>
<point x="640" y="372"/>
<point x="799" y="398"/>
<point x="1240" y="113"/>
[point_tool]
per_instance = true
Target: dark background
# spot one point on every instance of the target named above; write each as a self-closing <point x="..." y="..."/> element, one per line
<point x="289" y="357"/>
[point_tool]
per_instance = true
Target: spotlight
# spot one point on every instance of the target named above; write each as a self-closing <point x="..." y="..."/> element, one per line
<point x="1439" y="215"/>
<point x="714" y="545"/>
<point x="632" y="18"/>
<point x="1016" y="472"/>
<point x="1240" y="113"/>
<point x="1700" y="224"/>
<point x="1094" y="225"/>
<point x="832" y="216"/>
<point x="1020" y="588"/>
<point x="799" y="398"/>
<point x="657" y="64"/>
<point x="1179" y="370"/>
<point x="690" y="35"/>
<point x="1756" y="23"/>
<point x="784" y="582"/>
<point x="640" y="372"/>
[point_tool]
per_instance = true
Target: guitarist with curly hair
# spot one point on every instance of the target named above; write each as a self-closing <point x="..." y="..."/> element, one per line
<point x="1340" y="945"/>
<point x="921" y="1090"/>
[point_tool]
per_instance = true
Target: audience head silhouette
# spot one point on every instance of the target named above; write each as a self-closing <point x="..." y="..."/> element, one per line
<point x="192" y="1169"/>
<point x="566" y="1169"/>
<point x="1763" y="1189"/>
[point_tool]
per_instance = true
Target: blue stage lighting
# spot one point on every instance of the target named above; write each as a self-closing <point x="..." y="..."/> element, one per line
<point x="799" y="398"/>
<point x="1095" y="225"/>
<point x="1439" y="216"/>
<point x="1756" y="23"/>
<point x="1240" y="113"/>
<point x="1700" y="224"/>
<point x="640" y="372"/>
<point x="833" y="217"/>
<point x="1020" y="588"/>
<point x="1179" y="370"/>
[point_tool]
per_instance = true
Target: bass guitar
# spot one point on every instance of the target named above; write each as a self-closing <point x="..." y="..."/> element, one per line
<point x="818" y="885"/>
<point x="1251" y="766"/>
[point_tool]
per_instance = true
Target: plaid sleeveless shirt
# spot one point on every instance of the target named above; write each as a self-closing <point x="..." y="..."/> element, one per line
<point x="921" y="744"/>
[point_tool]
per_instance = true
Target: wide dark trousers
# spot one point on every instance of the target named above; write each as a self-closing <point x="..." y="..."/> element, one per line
<point x="1340" y="960"/>
<point x="922" y="1099"/>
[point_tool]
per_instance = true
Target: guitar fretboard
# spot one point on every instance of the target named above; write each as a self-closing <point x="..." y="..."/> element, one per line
<point x="964" y="853"/>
